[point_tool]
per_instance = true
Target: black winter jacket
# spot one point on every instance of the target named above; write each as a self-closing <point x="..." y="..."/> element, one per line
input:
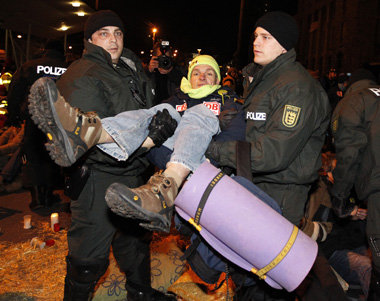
<point x="93" y="83"/>
<point x="356" y="130"/>
<point x="287" y="114"/>
<point x="52" y="64"/>
<point x="165" y="85"/>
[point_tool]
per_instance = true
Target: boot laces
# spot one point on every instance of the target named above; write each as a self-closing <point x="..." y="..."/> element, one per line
<point x="90" y="117"/>
<point x="158" y="181"/>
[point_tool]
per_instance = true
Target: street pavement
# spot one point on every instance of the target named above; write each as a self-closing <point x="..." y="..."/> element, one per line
<point x="14" y="206"/>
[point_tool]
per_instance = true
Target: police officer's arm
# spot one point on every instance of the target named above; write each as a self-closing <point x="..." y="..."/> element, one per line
<point x="287" y="130"/>
<point x="350" y="139"/>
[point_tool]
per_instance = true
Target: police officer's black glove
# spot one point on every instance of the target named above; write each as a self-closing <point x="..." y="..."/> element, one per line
<point x="342" y="208"/>
<point x="212" y="151"/>
<point x="225" y="118"/>
<point x="161" y="127"/>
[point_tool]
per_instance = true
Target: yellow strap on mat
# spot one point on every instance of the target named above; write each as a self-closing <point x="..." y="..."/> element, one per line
<point x="262" y="272"/>
<point x="197" y="226"/>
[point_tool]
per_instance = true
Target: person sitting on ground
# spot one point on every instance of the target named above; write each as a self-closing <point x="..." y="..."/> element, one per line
<point x="10" y="141"/>
<point x="200" y="100"/>
<point x="10" y="144"/>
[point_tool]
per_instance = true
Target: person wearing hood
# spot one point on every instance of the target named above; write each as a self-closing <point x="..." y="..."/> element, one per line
<point x="355" y="127"/>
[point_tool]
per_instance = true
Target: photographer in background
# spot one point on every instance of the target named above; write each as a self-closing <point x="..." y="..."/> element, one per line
<point x="165" y="74"/>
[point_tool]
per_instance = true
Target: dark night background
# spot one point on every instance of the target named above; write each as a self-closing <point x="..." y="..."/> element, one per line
<point x="333" y="34"/>
<point x="190" y="25"/>
<point x="209" y="25"/>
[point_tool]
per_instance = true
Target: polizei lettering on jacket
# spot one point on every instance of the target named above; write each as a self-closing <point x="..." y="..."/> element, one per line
<point x="375" y="90"/>
<point x="50" y="70"/>
<point x="256" y="116"/>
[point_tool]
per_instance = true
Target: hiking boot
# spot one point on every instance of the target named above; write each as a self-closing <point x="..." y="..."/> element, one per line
<point x="152" y="202"/>
<point x="70" y="132"/>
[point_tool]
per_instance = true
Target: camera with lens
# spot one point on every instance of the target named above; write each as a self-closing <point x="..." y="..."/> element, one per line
<point x="165" y="62"/>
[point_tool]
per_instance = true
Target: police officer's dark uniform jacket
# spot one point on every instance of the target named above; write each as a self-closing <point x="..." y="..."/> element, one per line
<point x="94" y="83"/>
<point x="287" y="114"/>
<point x="40" y="174"/>
<point x="52" y="64"/>
<point x="356" y="130"/>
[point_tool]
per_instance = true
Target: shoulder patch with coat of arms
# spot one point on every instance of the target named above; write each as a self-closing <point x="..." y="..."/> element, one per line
<point x="291" y="115"/>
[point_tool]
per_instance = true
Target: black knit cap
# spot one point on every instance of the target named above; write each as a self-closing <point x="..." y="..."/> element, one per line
<point x="281" y="26"/>
<point x="101" y="19"/>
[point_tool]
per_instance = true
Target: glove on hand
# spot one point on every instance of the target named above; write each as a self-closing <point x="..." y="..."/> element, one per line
<point x="212" y="151"/>
<point x="342" y="208"/>
<point x="225" y="118"/>
<point x="161" y="127"/>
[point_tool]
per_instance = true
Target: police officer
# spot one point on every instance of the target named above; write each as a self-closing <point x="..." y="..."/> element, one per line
<point x="287" y="114"/>
<point x="40" y="173"/>
<point x="108" y="79"/>
<point x="356" y="131"/>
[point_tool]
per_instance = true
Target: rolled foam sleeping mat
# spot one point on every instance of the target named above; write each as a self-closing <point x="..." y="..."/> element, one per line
<point x="245" y="230"/>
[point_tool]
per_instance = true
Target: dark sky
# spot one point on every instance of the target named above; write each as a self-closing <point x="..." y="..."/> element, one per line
<point x="206" y="24"/>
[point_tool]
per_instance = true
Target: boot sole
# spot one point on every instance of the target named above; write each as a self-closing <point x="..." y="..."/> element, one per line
<point x="41" y="107"/>
<point x="120" y="200"/>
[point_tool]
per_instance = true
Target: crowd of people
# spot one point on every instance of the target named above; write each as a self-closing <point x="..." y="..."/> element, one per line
<point x="126" y="137"/>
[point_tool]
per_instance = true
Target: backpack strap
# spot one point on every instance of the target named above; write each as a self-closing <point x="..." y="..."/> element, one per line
<point x="243" y="159"/>
<point x="191" y="248"/>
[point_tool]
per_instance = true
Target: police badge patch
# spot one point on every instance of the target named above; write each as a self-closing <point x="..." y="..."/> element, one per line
<point x="290" y="116"/>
